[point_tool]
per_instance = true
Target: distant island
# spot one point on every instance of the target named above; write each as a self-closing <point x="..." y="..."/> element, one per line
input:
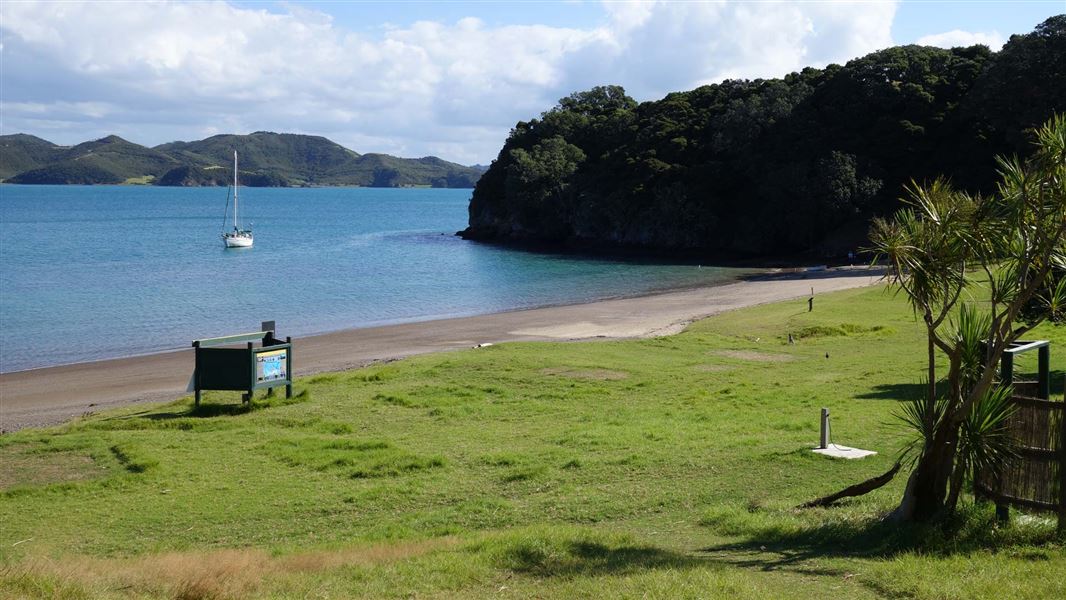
<point x="770" y="166"/>
<point x="267" y="160"/>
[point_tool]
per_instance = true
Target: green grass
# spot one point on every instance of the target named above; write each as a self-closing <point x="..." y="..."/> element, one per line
<point x="142" y="180"/>
<point x="664" y="467"/>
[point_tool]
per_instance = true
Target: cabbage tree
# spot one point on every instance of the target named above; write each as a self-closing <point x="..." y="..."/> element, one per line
<point x="1017" y="239"/>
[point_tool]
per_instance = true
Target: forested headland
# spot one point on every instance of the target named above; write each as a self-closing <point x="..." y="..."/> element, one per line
<point x="769" y="166"/>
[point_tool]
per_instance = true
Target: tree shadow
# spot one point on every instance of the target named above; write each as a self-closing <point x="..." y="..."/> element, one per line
<point x="770" y="548"/>
<point x="592" y="558"/>
<point x="914" y="391"/>
<point x="785" y="547"/>
<point x="901" y="391"/>
<point x="793" y="275"/>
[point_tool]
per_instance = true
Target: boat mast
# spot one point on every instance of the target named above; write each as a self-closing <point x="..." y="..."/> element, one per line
<point x="235" y="226"/>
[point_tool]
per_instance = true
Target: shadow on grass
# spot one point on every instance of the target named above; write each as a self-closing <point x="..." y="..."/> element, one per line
<point x="591" y="558"/>
<point x="901" y="391"/>
<point x="772" y="541"/>
<point x="913" y="391"/>
<point x="790" y="546"/>
<point x="209" y="410"/>
<point x="793" y="275"/>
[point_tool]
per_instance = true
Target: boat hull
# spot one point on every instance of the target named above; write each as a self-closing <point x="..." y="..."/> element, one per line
<point x="237" y="241"/>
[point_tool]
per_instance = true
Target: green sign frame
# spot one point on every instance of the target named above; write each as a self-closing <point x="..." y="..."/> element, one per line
<point x="242" y="369"/>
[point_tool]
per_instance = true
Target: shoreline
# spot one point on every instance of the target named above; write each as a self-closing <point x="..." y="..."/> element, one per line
<point x="755" y="274"/>
<point x="52" y="395"/>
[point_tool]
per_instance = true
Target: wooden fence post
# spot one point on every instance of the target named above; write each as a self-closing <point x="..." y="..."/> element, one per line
<point x="1043" y="384"/>
<point x="1062" y="466"/>
<point x="1006" y="377"/>
<point x="196" y="371"/>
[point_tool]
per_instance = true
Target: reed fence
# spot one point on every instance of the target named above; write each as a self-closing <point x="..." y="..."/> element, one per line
<point x="1035" y="477"/>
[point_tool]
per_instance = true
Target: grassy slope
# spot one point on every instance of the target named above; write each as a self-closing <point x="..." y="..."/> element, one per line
<point x="288" y="155"/>
<point x="21" y="152"/>
<point x="106" y="160"/>
<point x="664" y="467"/>
<point x="304" y="159"/>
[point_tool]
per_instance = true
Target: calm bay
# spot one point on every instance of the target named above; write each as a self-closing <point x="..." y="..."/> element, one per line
<point x="95" y="272"/>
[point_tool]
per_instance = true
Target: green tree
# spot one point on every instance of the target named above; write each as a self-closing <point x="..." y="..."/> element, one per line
<point x="538" y="179"/>
<point x="1016" y="237"/>
<point x="780" y="165"/>
<point x="602" y="99"/>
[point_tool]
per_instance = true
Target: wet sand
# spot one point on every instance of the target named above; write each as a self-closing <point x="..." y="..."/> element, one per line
<point x="52" y="395"/>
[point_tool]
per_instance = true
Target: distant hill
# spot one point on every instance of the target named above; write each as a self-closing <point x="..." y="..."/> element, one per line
<point x="300" y="159"/>
<point x="382" y="170"/>
<point x="193" y="176"/>
<point x="21" y="152"/>
<point x="106" y="160"/>
<point x="266" y="159"/>
<point x="67" y="172"/>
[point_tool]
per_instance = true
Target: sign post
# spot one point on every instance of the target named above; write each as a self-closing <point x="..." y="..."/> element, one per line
<point x="244" y="369"/>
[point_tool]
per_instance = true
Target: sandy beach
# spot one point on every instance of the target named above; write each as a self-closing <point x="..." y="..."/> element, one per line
<point x="52" y="395"/>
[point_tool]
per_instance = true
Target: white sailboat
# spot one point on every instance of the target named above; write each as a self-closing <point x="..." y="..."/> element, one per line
<point x="238" y="238"/>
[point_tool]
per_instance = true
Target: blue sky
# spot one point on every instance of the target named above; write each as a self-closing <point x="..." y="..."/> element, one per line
<point x="913" y="20"/>
<point x="917" y="19"/>
<point x="421" y="78"/>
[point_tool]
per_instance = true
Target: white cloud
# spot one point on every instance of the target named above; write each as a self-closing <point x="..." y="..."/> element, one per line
<point x="153" y="72"/>
<point x="958" y="37"/>
<point x="93" y="110"/>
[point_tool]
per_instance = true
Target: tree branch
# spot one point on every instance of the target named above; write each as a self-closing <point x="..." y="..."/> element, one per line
<point x="858" y="489"/>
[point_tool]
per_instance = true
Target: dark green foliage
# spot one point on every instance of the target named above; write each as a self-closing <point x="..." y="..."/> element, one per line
<point x="985" y="443"/>
<point x="67" y="172"/>
<point x="1015" y="91"/>
<point x="537" y="180"/>
<point x="1050" y="299"/>
<point x="769" y="165"/>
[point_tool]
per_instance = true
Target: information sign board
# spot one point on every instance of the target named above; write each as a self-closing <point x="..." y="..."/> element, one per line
<point x="270" y="366"/>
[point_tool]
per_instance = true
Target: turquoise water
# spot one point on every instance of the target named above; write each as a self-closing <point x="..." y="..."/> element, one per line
<point x="93" y="272"/>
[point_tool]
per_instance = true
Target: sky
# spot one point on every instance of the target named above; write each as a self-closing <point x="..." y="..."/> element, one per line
<point x="422" y="78"/>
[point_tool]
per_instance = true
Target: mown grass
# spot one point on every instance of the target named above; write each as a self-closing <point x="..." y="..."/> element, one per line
<point x="142" y="180"/>
<point x="665" y="467"/>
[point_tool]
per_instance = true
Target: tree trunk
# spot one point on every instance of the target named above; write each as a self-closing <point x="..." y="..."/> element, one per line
<point x="931" y="351"/>
<point x="957" y="479"/>
<point x="927" y="488"/>
<point x="858" y="489"/>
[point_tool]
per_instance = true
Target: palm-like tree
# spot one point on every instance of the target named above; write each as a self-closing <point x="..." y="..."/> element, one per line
<point x="1018" y="238"/>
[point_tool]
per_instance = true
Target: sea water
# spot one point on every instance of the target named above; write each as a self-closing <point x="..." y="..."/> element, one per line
<point x="95" y="272"/>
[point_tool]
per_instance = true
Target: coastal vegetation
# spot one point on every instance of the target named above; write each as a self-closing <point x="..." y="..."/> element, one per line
<point x="662" y="467"/>
<point x="267" y="160"/>
<point x="1017" y="237"/>
<point x="765" y="166"/>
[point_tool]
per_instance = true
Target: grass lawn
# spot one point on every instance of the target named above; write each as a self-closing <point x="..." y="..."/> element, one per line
<point x="663" y="468"/>
<point x="142" y="180"/>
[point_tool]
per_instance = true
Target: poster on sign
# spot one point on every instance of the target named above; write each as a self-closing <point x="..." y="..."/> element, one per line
<point x="270" y="366"/>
